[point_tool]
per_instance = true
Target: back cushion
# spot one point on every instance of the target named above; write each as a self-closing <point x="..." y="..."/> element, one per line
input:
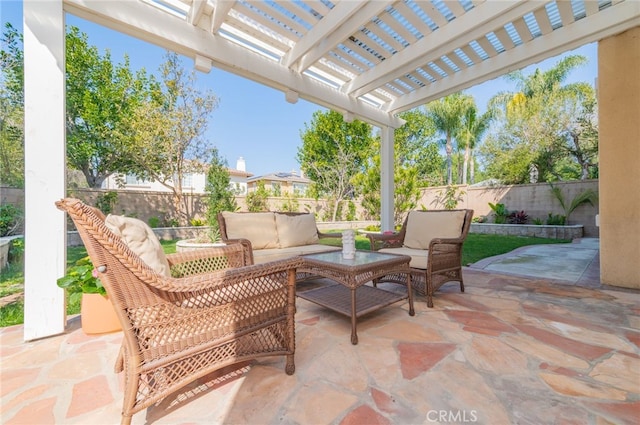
<point x="296" y="230"/>
<point x="140" y="239"/>
<point x="422" y="226"/>
<point x="259" y="228"/>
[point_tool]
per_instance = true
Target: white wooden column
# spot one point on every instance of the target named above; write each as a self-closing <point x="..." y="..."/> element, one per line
<point x="44" y="134"/>
<point x="386" y="178"/>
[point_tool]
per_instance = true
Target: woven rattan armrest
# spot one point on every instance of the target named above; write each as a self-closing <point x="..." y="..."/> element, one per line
<point x="445" y="244"/>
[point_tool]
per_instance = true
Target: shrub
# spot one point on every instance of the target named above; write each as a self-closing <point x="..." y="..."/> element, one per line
<point x="257" y="200"/>
<point x="154" y="222"/>
<point x="589" y="196"/>
<point x="290" y="203"/>
<point x="556" y="220"/>
<point x="16" y="250"/>
<point x="517" y="217"/>
<point x="351" y="213"/>
<point x="500" y="212"/>
<point x="450" y="197"/>
<point x="220" y="194"/>
<point x="106" y="201"/>
<point x="81" y="278"/>
<point x="11" y="218"/>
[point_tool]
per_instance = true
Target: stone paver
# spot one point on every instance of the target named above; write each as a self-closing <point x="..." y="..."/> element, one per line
<point x="509" y="350"/>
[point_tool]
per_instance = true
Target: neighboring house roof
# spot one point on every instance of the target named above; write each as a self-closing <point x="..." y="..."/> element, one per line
<point x="292" y="177"/>
<point x="238" y="173"/>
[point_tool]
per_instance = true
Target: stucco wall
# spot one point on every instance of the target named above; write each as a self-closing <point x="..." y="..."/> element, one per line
<point x="535" y="199"/>
<point x="619" y="123"/>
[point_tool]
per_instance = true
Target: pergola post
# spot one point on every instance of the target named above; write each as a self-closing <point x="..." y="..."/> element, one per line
<point x="386" y="178"/>
<point x="44" y="149"/>
<point x="619" y="143"/>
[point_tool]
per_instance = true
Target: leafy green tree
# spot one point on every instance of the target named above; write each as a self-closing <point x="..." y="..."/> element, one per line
<point x="220" y="195"/>
<point x="415" y="161"/>
<point x="472" y="128"/>
<point x="446" y="115"/>
<point x="289" y="203"/>
<point x="333" y="152"/>
<point x="581" y="131"/>
<point x="536" y="124"/>
<point x="11" y="109"/>
<point x="257" y="200"/>
<point x="170" y="132"/>
<point x="101" y="97"/>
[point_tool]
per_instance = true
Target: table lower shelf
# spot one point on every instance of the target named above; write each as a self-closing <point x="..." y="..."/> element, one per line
<point x="338" y="298"/>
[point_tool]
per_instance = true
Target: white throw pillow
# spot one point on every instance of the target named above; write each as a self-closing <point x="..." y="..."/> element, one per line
<point x="423" y="226"/>
<point x="140" y="239"/>
<point x="296" y="230"/>
<point x="259" y="228"/>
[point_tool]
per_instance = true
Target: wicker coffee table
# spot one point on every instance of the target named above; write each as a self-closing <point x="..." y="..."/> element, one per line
<point x="350" y="296"/>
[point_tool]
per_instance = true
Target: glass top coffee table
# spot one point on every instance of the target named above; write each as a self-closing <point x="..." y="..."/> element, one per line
<point x="350" y="296"/>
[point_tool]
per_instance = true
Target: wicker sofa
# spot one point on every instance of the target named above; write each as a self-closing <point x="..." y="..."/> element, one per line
<point x="273" y="235"/>
<point x="433" y="240"/>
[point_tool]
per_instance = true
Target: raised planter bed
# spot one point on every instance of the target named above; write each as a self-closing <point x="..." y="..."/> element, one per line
<point x="571" y="232"/>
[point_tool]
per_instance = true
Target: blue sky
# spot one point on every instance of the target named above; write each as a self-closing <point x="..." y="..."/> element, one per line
<point x="253" y="121"/>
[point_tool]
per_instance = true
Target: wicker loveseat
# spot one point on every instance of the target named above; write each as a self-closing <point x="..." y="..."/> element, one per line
<point x="273" y="235"/>
<point x="433" y="240"/>
<point x="208" y="310"/>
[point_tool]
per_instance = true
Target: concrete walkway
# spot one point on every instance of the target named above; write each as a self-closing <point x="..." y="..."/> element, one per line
<point x="575" y="263"/>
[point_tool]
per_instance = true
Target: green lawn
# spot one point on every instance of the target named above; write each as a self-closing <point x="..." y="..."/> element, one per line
<point x="475" y="248"/>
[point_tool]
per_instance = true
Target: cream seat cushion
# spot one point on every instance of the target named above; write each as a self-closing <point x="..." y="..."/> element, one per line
<point x="422" y="226"/>
<point x="259" y="228"/>
<point x="419" y="257"/>
<point x="296" y="230"/>
<point x="140" y="239"/>
<point x="265" y="255"/>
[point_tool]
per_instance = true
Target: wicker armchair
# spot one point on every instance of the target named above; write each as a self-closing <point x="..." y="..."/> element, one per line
<point x="214" y="311"/>
<point x="436" y="252"/>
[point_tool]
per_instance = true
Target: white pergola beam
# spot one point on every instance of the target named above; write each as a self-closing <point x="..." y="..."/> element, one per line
<point x="349" y="18"/>
<point x="387" y="188"/>
<point x="166" y="31"/>
<point x="220" y="12"/>
<point x="44" y="166"/>
<point x="614" y="20"/>
<point x="195" y="11"/>
<point x="460" y="32"/>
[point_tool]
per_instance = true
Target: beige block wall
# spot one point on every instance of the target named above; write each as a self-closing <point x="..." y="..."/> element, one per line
<point x="535" y="199"/>
<point x="619" y="123"/>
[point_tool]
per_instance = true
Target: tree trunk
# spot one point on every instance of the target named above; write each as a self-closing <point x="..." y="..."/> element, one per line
<point x="472" y="169"/>
<point x="449" y="150"/>
<point x="335" y="210"/>
<point x="465" y="165"/>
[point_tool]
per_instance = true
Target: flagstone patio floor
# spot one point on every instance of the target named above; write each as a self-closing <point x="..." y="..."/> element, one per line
<point x="509" y="350"/>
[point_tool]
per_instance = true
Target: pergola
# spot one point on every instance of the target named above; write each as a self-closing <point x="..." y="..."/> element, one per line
<point x="368" y="60"/>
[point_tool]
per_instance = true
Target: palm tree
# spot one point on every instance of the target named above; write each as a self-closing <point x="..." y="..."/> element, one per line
<point x="472" y="128"/>
<point x="539" y="84"/>
<point x="446" y="115"/>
